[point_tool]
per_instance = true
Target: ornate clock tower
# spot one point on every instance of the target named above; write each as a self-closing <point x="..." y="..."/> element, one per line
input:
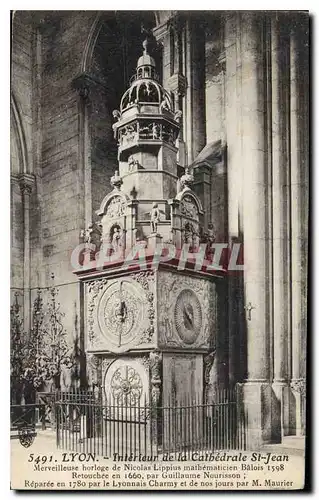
<point x="150" y="330"/>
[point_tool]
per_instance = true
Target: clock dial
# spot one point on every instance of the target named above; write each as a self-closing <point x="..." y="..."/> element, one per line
<point x="188" y="316"/>
<point x="121" y="314"/>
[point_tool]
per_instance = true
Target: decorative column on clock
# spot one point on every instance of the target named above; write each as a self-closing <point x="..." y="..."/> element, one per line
<point x="156" y="383"/>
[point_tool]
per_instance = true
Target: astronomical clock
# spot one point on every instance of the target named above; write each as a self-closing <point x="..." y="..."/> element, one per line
<point x="146" y="324"/>
<point x="147" y="331"/>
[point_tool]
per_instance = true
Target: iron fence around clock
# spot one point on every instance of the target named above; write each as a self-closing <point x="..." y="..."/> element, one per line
<point x="119" y="429"/>
<point x="103" y="428"/>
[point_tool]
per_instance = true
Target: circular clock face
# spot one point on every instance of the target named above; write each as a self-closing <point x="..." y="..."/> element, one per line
<point x="188" y="316"/>
<point x="121" y="314"/>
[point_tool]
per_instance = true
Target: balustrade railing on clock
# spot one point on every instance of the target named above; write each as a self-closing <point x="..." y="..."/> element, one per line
<point x="119" y="427"/>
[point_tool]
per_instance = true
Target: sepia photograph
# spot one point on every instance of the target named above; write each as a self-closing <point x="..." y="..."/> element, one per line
<point x="159" y="190"/>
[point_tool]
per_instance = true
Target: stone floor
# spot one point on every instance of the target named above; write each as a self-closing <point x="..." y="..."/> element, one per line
<point x="291" y="445"/>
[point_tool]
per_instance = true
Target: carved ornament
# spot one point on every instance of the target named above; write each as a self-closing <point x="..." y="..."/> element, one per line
<point x="189" y="326"/>
<point x="189" y="208"/>
<point x="121" y="312"/>
<point x="299" y="385"/>
<point x="116" y="207"/>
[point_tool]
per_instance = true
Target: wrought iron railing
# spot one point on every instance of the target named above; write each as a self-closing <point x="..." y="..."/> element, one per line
<point x="122" y="428"/>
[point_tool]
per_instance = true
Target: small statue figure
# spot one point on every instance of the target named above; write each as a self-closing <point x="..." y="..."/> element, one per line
<point x="85" y="234"/>
<point x="188" y="234"/>
<point x="116" y="115"/>
<point x="66" y="376"/>
<point x="211" y="233"/>
<point x="155" y="217"/>
<point x="155" y="131"/>
<point x="165" y="104"/>
<point x="116" y="181"/>
<point x="133" y="163"/>
<point x="116" y="239"/>
<point x="92" y="234"/>
<point x="178" y="116"/>
<point x="186" y="180"/>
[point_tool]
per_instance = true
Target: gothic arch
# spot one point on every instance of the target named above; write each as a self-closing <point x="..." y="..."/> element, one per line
<point x="88" y="53"/>
<point x="90" y="43"/>
<point x="19" y="135"/>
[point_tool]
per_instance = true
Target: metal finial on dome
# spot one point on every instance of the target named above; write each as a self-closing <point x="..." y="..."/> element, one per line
<point x="146" y="61"/>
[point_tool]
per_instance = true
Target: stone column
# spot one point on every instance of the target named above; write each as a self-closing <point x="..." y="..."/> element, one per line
<point x="162" y="34"/>
<point x="280" y="212"/>
<point x="82" y="86"/>
<point x="26" y="182"/>
<point x="194" y="102"/>
<point x="299" y="217"/>
<point x="233" y="127"/>
<point x="256" y="390"/>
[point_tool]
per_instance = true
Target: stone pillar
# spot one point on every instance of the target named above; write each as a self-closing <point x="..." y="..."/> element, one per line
<point x="170" y="35"/>
<point x="280" y="213"/>
<point x="163" y="35"/>
<point x="234" y="188"/>
<point x="299" y="217"/>
<point x="26" y="182"/>
<point x="82" y="86"/>
<point x="194" y="101"/>
<point x="256" y="390"/>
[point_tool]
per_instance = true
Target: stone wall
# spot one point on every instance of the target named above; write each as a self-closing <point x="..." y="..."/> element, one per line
<point x="20" y="135"/>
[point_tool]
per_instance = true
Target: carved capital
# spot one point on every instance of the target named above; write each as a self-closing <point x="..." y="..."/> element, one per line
<point x="160" y="32"/>
<point x="26" y="183"/>
<point x="83" y="84"/>
<point x="299" y="385"/>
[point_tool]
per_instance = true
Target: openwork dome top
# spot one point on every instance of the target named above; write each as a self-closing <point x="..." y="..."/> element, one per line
<point x="145" y="88"/>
